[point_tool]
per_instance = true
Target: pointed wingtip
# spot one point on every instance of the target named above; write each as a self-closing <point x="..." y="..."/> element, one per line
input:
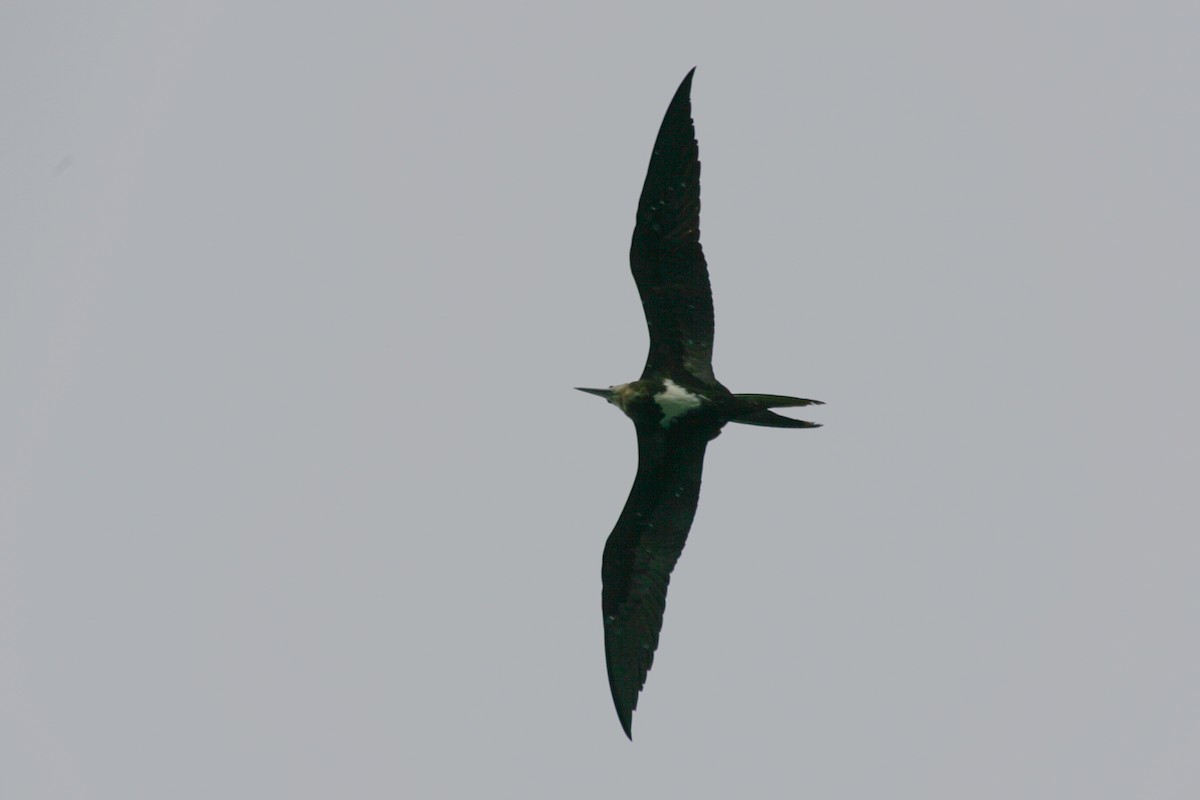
<point x="685" y="87"/>
<point x="684" y="93"/>
<point x="623" y="701"/>
<point x="626" y="718"/>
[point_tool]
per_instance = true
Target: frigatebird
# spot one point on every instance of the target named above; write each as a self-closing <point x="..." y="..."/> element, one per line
<point x="677" y="406"/>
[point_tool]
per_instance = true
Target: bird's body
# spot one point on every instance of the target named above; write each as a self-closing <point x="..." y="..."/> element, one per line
<point x="677" y="407"/>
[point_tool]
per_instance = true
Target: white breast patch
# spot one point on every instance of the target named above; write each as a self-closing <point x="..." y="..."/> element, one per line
<point x="675" y="401"/>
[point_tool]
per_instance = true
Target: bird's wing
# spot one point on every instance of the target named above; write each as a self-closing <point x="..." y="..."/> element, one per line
<point x="642" y="551"/>
<point x="666" y="258"/>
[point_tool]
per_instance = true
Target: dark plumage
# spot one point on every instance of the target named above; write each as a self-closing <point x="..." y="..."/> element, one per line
<point x="677" y="407"/>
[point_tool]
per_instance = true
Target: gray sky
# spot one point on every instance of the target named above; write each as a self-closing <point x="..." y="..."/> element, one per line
<point x="297" y="499"/>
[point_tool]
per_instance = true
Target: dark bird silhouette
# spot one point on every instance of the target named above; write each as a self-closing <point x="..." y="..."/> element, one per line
<point x="677" y="406"/>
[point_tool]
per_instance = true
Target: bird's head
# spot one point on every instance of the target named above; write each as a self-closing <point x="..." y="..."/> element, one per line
<point x="619" y="396"/>
<point x="608" y="394"/>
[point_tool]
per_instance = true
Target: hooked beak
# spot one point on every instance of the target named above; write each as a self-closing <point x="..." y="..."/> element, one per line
<point x="605" y="393"/>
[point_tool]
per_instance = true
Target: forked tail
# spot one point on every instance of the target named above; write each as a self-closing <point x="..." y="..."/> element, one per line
<point x="757" y="410"/>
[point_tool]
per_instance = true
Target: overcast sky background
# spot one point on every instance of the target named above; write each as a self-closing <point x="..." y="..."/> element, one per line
<point x="298" y="500"/>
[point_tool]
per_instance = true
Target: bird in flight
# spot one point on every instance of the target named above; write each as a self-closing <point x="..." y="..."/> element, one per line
<point x="677" y="406"/>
